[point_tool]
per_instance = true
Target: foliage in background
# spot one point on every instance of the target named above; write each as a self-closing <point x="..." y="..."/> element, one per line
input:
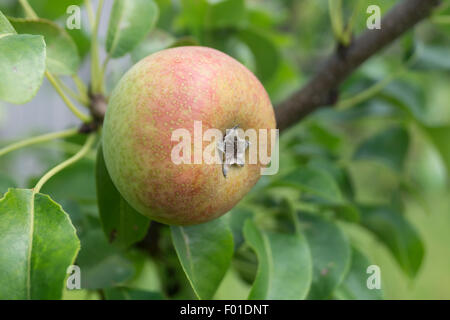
<point x="356" y="166"/>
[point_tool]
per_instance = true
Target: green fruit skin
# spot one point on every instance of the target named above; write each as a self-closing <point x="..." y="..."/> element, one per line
<point x="166" y="91"/>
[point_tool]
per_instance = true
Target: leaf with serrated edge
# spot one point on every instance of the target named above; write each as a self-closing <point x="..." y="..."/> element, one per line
<point x="5" y="26"/>
<point x="103" y="265"/>
<point x="38" y="242"/>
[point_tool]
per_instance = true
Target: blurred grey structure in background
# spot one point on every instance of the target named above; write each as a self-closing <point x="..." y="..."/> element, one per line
<point x="46" y="112"/>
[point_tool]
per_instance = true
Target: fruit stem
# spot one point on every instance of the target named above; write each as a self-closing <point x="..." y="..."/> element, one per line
<point x="335" y="10"/>
<point x="84" y="100"/>
<point x="347" y="33"/>
<point x="103" y="70"/>
<point x="97" y="81"/>
<point x="81" y="86"/>
<point x="30" y="13"/>
<point x="80" y="154"/>
<point x="38" y="139"/>
<point x="67" y="101"/>
<point x="90" y="12"/>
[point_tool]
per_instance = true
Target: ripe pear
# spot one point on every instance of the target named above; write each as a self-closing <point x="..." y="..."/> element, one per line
<point x="166" y="91"/>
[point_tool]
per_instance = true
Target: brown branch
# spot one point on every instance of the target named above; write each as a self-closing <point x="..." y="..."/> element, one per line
<point x="323" y="87"/>
<point x="97" y="105"/>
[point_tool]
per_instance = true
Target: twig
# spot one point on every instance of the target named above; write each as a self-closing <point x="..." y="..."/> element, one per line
<point x="39" y="139"/>
<point x="323" y="87"/>
<point x="30" y="13"/>
<point x="96" y="85"/>
<point x="80" y="154"/>
<point x="66" y="99"/>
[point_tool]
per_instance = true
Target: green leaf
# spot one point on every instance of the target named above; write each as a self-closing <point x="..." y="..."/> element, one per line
<point x="81" y="216"/>
<point x="284" y="264"/>
<point x="205" y="252"/>
<point x="428" y="57"/>
<point x="389" y="147"/>
<point x="122" y="293"/>
<point x="159" y="40"/>
<point x="185" y="41"/>
<point x="408" y="98"/>
<point x="260" y="17"/>
<point x="193" y="14"/>
<point x="330" y="251"/>
<point x="312" y="181"/>
<point x="5" y="25"/>
<point x="6" y="183"/>
<point x="440" y="136"/>
<point x="38" y="242"/>
<point x="22" y="66"/>
<point x="408" y="46"/>
<point x="236" y="219"/>
<point x="338" y="173"/>
<point x="82" y="41"/>
<point x="284" y="82"/>
<point x="354" y="286"/>
<point x="129" y="23"/>
<point x="265" y="52"/>
<point x="62" y="52"/>
<point x="121" y="223"/>
<point x="51" y="9"/>
<point x="324" y="136"/>
<point x="81" y="187"/>
<point x="156" y="41"/>
<point x="147" y="276"/>
<point x="347" y="212"/>
<point x="227" y="13"/>
<point x="397" y="234"/>
<point x="102" y="265"/>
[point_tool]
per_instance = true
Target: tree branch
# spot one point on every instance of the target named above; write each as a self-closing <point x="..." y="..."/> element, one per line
<point x="322" y="89"/>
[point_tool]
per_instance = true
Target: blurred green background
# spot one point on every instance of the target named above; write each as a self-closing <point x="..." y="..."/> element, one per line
<point x="394" y="143"/>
